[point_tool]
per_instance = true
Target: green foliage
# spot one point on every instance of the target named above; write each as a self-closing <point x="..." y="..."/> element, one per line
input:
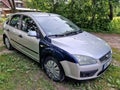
<point x="118" y="14"/>
<point x="89" y="14"/>
<point x="2" y="20"/>
<point x="115" y="25"/>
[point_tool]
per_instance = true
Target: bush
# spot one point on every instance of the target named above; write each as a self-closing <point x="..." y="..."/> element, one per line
<point x="118" y="14"/>
<point x="115" y="25"/>
<point x="2" y="20"/>
<point x="81" y="14"/>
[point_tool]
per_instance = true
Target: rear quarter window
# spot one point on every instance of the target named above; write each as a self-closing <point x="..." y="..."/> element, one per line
<point x="7" y="21"/>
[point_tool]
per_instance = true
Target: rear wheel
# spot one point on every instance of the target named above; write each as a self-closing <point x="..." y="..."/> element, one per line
<point x="7" y="43"/>
<point x="53" y="69"/>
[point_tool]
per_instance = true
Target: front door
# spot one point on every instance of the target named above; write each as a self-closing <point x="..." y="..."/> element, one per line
<point x="28" y="44"/>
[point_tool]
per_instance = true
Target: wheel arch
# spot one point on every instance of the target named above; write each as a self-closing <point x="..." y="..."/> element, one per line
<point x="50" y="52"/>
<point x="61" y="55"/>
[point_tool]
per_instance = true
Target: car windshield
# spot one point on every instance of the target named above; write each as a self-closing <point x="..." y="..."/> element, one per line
<point x="57" y="26"/>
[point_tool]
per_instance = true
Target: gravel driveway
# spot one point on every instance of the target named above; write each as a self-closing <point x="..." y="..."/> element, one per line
<point x="112" y="39"/>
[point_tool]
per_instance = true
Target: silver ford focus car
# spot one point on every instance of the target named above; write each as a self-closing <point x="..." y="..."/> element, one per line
<point x="61" y="47"/>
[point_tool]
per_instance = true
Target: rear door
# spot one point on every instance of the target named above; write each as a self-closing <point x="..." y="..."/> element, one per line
<point x="12" y="30"/>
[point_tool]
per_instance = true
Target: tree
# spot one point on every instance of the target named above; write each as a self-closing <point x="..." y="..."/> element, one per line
<point x="110" y="10"/>
<point x="92" y="14"/>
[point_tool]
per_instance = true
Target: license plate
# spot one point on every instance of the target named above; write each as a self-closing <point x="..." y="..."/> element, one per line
<point x="105" y="65"/>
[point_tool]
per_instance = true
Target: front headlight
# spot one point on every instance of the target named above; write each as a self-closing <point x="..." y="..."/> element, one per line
<point x="85" y="60"/>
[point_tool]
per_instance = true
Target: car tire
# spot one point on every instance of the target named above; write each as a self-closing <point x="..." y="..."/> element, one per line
<point x="53" y="69"/>
<point x="7" y="43"/>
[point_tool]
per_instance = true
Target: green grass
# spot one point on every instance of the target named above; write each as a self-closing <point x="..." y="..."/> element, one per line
<point x="113" y="77"/>
<point x="116" y="54"/>
<point x="19" y="72"/>
<point x="1" y="31"/>
<point x="2" y="48"/>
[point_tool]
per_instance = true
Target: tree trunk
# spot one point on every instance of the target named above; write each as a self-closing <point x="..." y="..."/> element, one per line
<point x="110" y="10"/>
<point x="92" y="20"/>
<point x="54" y="8"/>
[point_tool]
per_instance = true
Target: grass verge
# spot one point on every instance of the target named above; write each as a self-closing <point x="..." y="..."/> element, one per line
<point x="116" y="54"/>
<point x="1" y="31"/>
<point x="19" y="73"/>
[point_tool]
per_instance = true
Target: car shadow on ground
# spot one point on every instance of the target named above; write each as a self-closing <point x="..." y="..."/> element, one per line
<point x="67" y="79"/>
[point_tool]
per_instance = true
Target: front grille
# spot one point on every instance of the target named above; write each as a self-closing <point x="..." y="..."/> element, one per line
<point x="105" y="57"/>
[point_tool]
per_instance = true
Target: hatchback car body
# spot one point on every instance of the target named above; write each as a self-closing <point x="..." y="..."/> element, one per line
<point x="58" y="45"/>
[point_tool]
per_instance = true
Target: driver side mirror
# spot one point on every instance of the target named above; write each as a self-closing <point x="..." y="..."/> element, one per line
<point x="32" y="33"/>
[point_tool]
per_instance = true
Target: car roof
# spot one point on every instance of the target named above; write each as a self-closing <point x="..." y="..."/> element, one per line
<point x="35" y="14"/>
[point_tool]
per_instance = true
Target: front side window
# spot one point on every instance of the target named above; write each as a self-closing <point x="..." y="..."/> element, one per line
<point x="28" y="24"/>
<point x="14" y="22"/>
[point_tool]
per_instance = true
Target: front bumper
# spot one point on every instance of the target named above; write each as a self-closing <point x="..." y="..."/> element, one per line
<point x="78" y="72"/>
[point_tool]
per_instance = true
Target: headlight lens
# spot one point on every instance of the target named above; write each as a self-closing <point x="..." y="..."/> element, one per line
<point x="85" y="60"/>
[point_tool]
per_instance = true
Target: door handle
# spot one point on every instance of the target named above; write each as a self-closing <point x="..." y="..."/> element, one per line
<point x="8" y="30"/>
<point x="20" y="36"/>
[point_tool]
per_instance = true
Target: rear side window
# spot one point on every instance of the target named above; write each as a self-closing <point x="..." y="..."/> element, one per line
<point x="8" y="20"/>
<point x="15" y="21"/>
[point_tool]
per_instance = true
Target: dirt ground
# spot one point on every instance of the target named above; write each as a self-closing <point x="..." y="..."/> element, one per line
<point x="112" y="39"/>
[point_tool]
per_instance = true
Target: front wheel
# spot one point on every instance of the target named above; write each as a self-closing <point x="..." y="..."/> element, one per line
<point x="53" y="69"/>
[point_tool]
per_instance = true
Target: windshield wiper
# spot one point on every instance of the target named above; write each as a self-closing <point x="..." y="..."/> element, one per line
<point x="72" y="32"/>
<point x="56" y="35"/>
<point x="66" y="33"/>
